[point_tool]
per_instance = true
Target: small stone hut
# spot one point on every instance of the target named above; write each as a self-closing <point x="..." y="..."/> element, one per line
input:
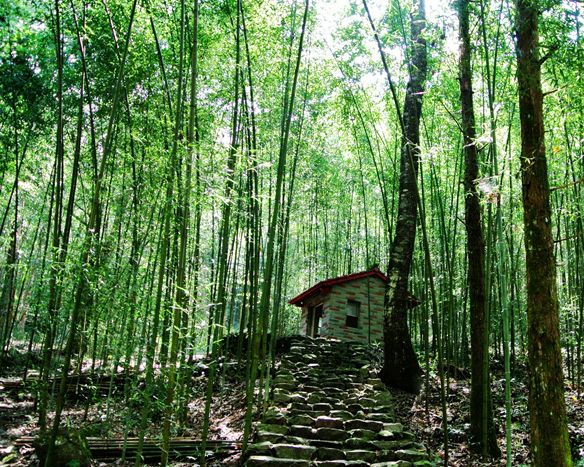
<point x="349" y="308"/>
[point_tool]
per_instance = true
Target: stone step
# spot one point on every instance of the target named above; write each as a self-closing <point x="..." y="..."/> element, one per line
<point x="330" y="410"/>
<point x="341" y="463"/>
<point x="268" y="461"/>
<point x="282" y="455"/>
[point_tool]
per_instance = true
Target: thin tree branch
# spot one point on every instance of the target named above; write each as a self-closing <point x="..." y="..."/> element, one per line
<point x="571" y="237"/>
<point x="561" y="187"/>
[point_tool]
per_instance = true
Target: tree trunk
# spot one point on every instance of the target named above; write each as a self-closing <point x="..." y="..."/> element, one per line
<point x="90" y="235"/>
<point x="481" y="410"/>
<point x="549" y="433"/>
<point x="401" y="368"/>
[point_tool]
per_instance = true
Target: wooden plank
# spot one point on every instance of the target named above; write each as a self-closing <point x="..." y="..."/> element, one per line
<point x="180" y="448"/>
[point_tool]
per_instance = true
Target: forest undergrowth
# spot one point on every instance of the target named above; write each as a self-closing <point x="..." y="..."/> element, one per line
<point x="109" y="418"/>
<point x="423" y="415"/>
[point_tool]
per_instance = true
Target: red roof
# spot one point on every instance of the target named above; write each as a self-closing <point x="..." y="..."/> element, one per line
<point x="322" y="286"/>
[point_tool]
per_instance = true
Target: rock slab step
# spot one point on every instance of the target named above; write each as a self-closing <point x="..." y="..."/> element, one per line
<point x="329" y="409"/>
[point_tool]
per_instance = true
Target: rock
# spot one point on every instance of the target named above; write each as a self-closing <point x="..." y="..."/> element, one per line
<point x="371" y="425"/>
<point x="314" y="398"/>
<point x="363" y="434"/>
<point x="366" y="402"/>
<point x="297" y="398"/>
<point x="393" y="464"/>
<point x="395" y="427"/>
<point x="303" y="419"/>
<point x="354" y="408"/>
<point x="311" y="413"/>
<point x="330" y="463"/>
<point x="300" y="406"/>
<point x="386" y="456"/>
<point x="365" y="370"/>
<point x="292" y="451"/>
<point x="323" y="443"/>
<point x="342" y="414"/>
<point x="356" y="386"/>
<point x="70" y="448"/>
<point x="259" y="449"/>
<point x="380" y="417"/>
<point x="330" y="454"/>
<point x="338" y="413"/>
<point x="283" y="378"/>
<point x="386" y="435"/>
<point x="285" y="386"/>
<point x="280" y="429"/>
<point x="411" y="455"/>
<point x="281" y="398"/>
<point x="328" y="422"/>
<point x="358" y="463"/>
<point x="9" y="459"/>
<point x="360" y="454"/>
<point x="383" y="398"/>
<point x="267" y="461"/>
<point x="388" y="409"/>
<point x="322" y="407"/>
<point x="334" y="387"/>
<point x="376" y="383"/>
<point x="312" y="389"/>
<point x="302" y="431"/>
<point x="311" y="358"/>
<point x="332" y="434"/>
<point x="358" y="443"/>
<point x="293" y="440"/>
<point x="275" y="417"/>
<point x="352" y="400"/>
<point x="392" y="445"/>
<point x="266" y="436"/>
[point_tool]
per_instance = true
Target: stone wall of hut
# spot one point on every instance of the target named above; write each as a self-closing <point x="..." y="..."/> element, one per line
<point x="334" y="320"/>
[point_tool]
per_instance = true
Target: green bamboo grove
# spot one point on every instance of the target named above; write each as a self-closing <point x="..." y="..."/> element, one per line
<point x="171" y="174"/>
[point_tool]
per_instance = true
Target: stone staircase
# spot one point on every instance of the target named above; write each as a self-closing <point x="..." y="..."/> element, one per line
<point x="328" y="410"/>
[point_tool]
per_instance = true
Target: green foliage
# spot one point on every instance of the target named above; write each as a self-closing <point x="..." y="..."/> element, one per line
<point x="344" y="148"/>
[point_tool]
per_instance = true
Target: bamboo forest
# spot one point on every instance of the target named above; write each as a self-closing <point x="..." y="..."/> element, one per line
<point x="292" y="233"/>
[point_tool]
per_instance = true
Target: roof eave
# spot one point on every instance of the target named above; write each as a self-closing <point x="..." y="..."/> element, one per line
<point x="299" y="300"/>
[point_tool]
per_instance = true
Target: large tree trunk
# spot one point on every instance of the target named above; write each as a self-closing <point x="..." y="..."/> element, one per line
<point x="401" y="368"/>
<point x="483" y="437"/>
<point x="549" y="433"/>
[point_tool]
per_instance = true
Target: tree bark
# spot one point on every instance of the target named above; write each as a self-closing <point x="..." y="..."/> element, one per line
<point x="401" y="368"/>
<point x="483" y="437"/>
<point x="549" y="434"/>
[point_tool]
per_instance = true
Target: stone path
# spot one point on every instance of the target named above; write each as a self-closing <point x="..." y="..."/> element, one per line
<point x="328" y="411"/>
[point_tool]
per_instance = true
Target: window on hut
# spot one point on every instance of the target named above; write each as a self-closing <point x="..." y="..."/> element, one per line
<point x="353" y="314"/>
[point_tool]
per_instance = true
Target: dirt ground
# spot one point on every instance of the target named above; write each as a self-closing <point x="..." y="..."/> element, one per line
<point x="422" y="414"/>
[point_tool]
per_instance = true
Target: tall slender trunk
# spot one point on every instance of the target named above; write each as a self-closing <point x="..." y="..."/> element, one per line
<point x="182" y="221"/>
<point x="401" y="368"/>
<point x="273" y="230"/>
<point x="481" y="414"/>
<point x="90" y="235"/>
<point x="216" y="327"/>
<point x="56" y="211"/>
<point x="152" y="341"/>
<point x="7" y="296"/>
<point x="549" y="432"/>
